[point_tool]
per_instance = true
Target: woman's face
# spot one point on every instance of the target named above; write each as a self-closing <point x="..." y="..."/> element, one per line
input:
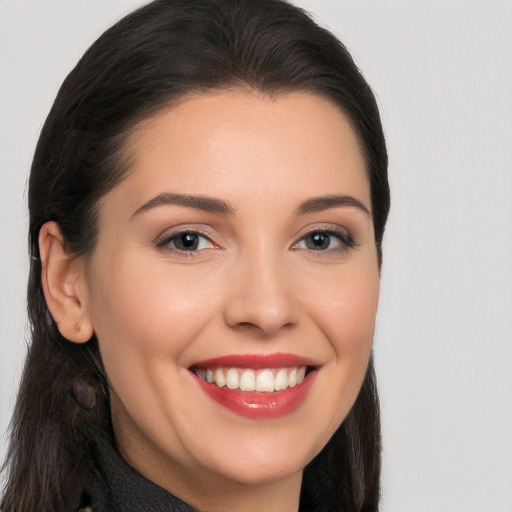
<point x="239" y="250"/>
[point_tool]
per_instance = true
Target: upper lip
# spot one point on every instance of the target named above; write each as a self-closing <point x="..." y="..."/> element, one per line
<point x="256" y="361"/>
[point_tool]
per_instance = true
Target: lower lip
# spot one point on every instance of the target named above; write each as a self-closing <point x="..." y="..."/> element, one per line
<point x="259" y="405"/>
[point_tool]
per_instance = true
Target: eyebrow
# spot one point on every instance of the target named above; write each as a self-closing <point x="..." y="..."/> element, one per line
<point x="206" y="204"/>
<point x="318" y="204"/>
<point x="213" y="205"/>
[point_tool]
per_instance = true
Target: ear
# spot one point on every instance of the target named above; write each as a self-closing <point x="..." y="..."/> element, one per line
<point x="64" y="285"/>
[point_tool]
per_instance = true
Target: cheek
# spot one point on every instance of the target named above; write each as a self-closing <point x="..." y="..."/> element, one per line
<point x="347" y="307"/>
<point x="143" y="314"/>
<point x="347" y="320"/>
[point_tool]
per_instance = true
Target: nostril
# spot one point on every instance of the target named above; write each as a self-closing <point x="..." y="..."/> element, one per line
<point x="263" y="328"/>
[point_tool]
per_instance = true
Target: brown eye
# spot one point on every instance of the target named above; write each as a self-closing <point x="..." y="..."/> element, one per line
<point x="186" y="241"/>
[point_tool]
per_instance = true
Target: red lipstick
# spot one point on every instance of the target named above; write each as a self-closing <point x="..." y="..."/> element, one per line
<point x="255" y="404"/>
<point x="255" y="361"/>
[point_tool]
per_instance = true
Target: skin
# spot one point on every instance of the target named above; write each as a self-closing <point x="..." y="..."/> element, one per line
<point x="254" y="286"/>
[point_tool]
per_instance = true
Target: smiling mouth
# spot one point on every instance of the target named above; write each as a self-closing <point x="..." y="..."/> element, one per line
<point x="264" y="380"/>
<point x="257" y="386"/>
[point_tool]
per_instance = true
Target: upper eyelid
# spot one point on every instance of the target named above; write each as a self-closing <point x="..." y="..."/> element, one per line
<point x="169" y="234"/>
<point x="327" y="227"/>
<point x="187" y="228"/>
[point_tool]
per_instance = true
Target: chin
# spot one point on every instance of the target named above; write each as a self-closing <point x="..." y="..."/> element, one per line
<point x="259" y="464"/>
<point x="261" y="474"/>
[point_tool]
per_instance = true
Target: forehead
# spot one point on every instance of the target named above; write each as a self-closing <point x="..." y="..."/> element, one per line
<point x="243" y="145"/>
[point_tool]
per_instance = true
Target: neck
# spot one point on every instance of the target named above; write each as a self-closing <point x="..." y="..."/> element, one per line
<point x="280" y="496"/>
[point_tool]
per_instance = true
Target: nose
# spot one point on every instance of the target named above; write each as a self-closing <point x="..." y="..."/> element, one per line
<point x="262" y="298"/>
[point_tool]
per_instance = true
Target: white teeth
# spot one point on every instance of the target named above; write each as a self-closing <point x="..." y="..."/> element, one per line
<point x="281" y="381"/>
<point x="248" y="381"/>
<point x="292" y="378"/>
<point x="265" y="381"/>
<point x="232" y="379"/>
<point x="219" y="378"/>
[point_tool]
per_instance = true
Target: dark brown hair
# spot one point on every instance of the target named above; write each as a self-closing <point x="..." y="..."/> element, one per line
<point x="148" y="60"/>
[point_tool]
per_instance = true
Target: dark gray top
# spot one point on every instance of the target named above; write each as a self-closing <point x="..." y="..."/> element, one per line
<point x="118" y="487"/>
<point x="123" y="489"/>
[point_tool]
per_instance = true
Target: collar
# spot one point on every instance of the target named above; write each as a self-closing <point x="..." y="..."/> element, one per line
<point x="123" y="489"/>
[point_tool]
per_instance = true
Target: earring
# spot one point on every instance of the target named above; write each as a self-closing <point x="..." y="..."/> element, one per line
<point x="85" y="502"/>
<point x="84" y="395"/>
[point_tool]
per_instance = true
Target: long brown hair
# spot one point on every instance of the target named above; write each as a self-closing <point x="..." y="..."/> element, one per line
<point x="148" y="60"/>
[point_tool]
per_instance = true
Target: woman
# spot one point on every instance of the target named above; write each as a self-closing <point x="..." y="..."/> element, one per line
<point x="207" y="204"/>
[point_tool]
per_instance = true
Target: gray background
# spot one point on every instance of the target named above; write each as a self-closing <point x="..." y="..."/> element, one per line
<point x="442" y="72"/>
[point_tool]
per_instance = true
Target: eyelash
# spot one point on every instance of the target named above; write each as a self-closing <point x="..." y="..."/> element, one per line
<point x="342" y="236"/>
<point x="166" y="240"/>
